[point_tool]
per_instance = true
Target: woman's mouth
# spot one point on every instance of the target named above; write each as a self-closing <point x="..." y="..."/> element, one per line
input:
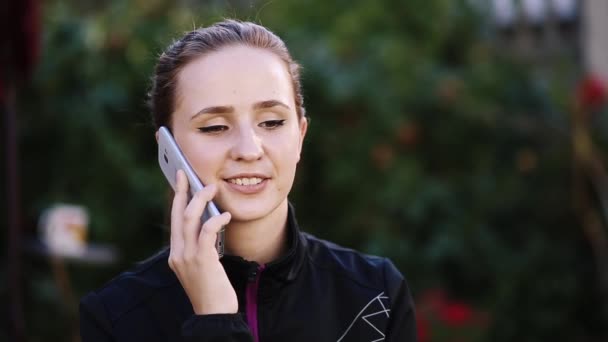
<point x="245" y="181"/>
<point x="247" y="185"/>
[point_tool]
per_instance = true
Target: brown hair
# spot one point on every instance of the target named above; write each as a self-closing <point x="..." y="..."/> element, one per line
<point x="161" y="97"/>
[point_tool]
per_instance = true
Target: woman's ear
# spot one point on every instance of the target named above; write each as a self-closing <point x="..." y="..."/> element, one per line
<point x="303" y="129"/>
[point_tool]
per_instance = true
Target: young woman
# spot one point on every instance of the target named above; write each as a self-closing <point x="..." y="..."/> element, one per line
<point x="231" y="96"/>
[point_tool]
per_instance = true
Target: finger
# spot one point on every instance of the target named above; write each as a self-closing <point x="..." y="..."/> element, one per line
<point x="177" y="212"/>
<point x="208" y="234"/>
<point x="193" y="214"/>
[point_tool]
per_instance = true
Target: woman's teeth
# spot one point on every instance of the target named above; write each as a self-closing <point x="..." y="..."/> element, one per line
<point x="246" y="181"/>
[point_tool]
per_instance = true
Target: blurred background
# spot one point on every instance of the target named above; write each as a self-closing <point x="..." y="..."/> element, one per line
<point x="465" y="140"/>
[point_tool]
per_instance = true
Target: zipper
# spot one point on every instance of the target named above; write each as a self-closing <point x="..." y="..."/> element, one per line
<point x="251" y="293"/>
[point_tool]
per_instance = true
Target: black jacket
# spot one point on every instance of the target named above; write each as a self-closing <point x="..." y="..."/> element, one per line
<point x="317" y="292"/>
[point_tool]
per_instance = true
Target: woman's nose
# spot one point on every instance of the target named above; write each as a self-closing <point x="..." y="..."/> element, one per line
<point x="248" y="146"/>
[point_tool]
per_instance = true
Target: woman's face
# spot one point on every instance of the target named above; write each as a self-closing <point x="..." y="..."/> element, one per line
<point x="236" y="122"/>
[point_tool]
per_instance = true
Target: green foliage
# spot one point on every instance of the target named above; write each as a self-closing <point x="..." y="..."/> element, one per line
<point x="426" y="145"/>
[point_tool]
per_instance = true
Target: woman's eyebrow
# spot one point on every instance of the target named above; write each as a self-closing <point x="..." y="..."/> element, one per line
<point x="213" y="110"/>
<point x="269" y="104"/>
<point x="230" y="109"/>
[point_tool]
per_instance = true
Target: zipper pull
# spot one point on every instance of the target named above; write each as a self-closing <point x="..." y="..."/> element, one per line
<point x="253" y="274"/>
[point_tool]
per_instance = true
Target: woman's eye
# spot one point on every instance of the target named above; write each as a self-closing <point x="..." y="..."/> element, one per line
<point x="213" y="129"/>
<point x="272" y="123"/>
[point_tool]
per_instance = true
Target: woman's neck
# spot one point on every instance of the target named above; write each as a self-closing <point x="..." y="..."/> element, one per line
<point x="262" y="240"/>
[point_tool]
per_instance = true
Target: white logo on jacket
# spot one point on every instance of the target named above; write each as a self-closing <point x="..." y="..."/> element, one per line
<point x="374" y="312"/>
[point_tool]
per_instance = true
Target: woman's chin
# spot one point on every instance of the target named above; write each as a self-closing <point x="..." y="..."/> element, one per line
<point x="245" y="211"/>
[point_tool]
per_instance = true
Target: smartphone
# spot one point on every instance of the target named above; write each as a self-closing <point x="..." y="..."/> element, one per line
<point x="171" y="159"/>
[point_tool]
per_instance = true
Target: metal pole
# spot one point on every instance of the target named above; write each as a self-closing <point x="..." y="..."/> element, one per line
<point x="17" y="324"/>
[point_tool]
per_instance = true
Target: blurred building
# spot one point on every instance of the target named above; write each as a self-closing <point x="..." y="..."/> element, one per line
<point x="595" y="37"/>
<point x="549" y="31"/>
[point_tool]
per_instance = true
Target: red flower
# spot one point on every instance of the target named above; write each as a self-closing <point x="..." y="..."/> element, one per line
<point x="382" y="156"/>
<point x="408" y="134"/>
<point x="456" y="313"/>
<point x="591" y="93"/>
<point x="423" y="329"/>
<point x="439" y="317"/>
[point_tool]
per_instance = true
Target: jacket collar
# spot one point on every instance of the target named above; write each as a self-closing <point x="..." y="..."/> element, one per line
<point x="285" y="268"/>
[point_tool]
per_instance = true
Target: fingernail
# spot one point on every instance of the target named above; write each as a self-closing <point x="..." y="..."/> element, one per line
<point x="226" y="217"/>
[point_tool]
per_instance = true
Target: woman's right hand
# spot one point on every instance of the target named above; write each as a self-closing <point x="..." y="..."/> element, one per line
<point x="193" y="257"/>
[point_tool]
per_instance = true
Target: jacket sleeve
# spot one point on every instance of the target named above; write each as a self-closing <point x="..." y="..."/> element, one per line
<point x="94" y="323"/>
<point x="216" y="328"/>
<point x="96" y="326"/>
<point x="402" y="321"/>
